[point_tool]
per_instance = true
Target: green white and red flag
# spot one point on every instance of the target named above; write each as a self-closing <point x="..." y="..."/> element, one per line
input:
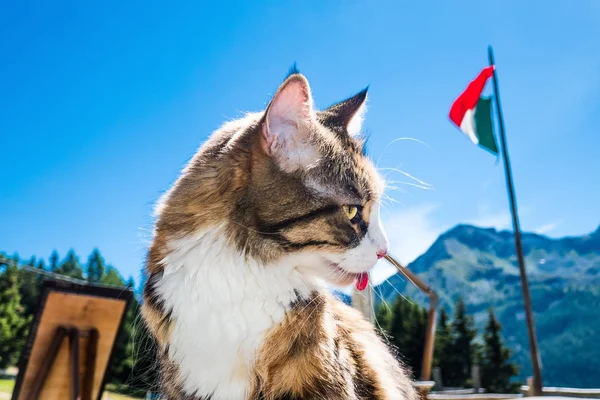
<point x="472" y="113"/>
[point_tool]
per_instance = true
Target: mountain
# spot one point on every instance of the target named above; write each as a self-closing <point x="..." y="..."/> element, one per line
<point x="564" y="278"/>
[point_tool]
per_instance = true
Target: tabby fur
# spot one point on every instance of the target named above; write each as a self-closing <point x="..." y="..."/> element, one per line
<point x="243" y="245"/>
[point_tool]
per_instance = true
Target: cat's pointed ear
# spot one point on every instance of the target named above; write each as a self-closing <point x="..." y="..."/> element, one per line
<point x="350" y="113"/>
<point x="288" y="117"/>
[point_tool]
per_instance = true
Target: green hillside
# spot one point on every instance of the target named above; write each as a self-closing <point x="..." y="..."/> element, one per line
<point x="481" y="266"/>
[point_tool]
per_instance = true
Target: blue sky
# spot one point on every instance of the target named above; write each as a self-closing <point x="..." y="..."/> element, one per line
<point x="101" y="104"/>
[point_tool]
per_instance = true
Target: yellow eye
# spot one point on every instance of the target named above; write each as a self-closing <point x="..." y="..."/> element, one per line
<point x="350" y="211"/>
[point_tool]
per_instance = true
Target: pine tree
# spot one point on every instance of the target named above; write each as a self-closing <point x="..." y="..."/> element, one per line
<point x="383" y="317"/>
<point x="11" y="316"/>
<point x="54" y="261"/>
<point x="443" y="345"/>
<point x="95" y="267"/>
<point x="29" y="287"/>
<point x="135" y="359"/>
<point x="463" y="351"/>
<point x="141" y="354"/>
<point x="130" y="283"/>
<point x="419" y="332"/>
<point x="496" y="369"/>
<point x="112" y="277"/>
<point x="407" y="327"/>
<point x="70" y="266"/>
<point x="122" y="364"/>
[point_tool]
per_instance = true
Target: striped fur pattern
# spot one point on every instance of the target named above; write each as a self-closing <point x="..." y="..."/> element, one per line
<point x="270" y="209"/>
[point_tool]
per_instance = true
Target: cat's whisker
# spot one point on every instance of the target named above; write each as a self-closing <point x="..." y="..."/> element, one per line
<point x="308" y="319"/>
<point x="381" y="329"/>
<point x="390" y="170"/>
<point x="389" y="198"/>
<point x="410" y="176"/>
<point x="398" y="292"/>
<point x="397" y="140"/>
<point x="398" y="189"/>
<point x="383" y="301"/>
<point x="414" y="185"/>
<point x="427" y="186"/>
<point x="382" y="203"/>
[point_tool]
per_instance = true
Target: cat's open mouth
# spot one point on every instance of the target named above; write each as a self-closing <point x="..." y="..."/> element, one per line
<point x="361" y="279"/>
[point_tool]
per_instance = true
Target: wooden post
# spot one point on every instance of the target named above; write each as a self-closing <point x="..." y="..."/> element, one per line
<point x="74" y="341"/>
<point x="363" y="301"/>
<point x="38" y="384"/>
<point x="431" y="316"/>
<point x="475" y="378"/>
<point x="74" y="355"/>
<point x="90" y="363"/>
<point x="437" y="378"/>
<point x="530" y="391"/>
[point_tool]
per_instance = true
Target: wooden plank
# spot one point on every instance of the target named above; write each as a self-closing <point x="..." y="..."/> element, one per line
<point x="363" y="301"/>
<point x="90" y="361"/>
<point x="74" y="362"/>
<point x="83" y="312"/>
<point x="47" y="362"/>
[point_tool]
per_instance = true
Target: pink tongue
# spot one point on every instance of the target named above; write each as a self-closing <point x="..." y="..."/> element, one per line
<point x="362" y="281"/>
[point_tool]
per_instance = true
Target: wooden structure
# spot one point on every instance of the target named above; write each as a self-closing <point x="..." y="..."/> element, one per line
<point x="363" y="301"/>
<point x="431" y="316"/>
<point x="564" y="392"/>
<point x="91" y="317"/>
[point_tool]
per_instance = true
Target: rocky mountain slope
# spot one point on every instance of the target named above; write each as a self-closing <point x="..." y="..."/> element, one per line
<point x="564" y="275"/>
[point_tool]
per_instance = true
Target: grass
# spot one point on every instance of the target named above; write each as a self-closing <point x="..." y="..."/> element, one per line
<point x="116" y="396"/>
<point x="6" y="387"/>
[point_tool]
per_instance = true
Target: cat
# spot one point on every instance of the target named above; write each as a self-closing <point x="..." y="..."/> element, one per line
<point x="272" y="207"/>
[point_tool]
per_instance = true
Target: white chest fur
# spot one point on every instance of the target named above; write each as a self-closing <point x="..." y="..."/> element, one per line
<point x="223" y="306"/>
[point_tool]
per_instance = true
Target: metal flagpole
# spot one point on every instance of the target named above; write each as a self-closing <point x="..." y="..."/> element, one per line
<point x="535" y="357"/>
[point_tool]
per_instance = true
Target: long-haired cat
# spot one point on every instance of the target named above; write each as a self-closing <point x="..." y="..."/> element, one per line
<point x="271" y="207"/>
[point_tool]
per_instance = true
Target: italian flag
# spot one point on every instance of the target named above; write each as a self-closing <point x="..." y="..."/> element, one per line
<point x="473" y="113"/>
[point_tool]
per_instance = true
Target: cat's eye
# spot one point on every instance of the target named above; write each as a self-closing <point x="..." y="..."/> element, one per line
<point x="350" y="211"/>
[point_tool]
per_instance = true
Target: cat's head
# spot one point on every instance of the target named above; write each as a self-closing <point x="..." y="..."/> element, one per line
<point x="333" y="212"/>
<point x="293" y="184"/>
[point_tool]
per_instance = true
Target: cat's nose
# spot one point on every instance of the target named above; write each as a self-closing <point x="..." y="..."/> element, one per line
<point x="381" y="253"/>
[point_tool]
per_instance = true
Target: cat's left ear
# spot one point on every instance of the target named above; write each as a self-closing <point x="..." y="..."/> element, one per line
<point x="288" y="119"/>
<point x="350" y="113"/>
